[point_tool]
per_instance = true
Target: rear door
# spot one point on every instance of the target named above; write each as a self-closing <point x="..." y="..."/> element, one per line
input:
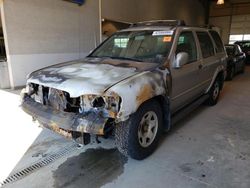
<point x="209" y="59"/>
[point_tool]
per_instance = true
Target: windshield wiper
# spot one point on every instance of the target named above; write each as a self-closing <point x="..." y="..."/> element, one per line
<point x="99" y="56"/>
<point x="123" y="58"/>
<point x="127" y="58"/>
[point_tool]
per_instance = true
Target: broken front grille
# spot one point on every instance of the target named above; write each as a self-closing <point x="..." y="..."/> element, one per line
<point x="59" y="100"/>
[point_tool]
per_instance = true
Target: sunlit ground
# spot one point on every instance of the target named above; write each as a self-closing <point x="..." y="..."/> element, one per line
<point x="17" y="132"/>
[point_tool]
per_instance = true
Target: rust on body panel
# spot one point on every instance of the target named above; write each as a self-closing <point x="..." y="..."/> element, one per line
<point x="55" y="127"/>
<point x="136" y="90"/>
<point x="145" y="93"/>
<point x="121" y="87"/>
<point x="64" y="123"/>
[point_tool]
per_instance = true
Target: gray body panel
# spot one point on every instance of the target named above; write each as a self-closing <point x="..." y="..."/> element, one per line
<point x="194" y="79"/>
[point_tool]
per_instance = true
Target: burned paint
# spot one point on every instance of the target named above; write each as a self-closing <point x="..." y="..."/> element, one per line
<point x="81" y="78"/>
<point x="121" y="86"/>
<point x="93" y="168"/>
<point x="54" y="127"/>
<point x="124" y="63"/>
<point x="65" y="122"/>
<point x="138" y="89"/>
<point x="112" y="114"/>
<point x="145" y="94"/>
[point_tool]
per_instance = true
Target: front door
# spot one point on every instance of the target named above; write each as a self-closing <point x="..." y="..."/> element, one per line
<point x="185" y="80"/>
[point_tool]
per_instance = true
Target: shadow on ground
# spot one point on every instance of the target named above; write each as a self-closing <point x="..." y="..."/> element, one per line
<point x="93" y="168"/>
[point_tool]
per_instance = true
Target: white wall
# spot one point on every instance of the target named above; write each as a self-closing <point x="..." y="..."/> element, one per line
<point x="40" y="33"/>
<point x="139" y="10"/>
<point x="240" y="24"/>
<point x="120" y="10"/>
<point x="224" y="24"/>
<point x="191" y="11"/>
<point x="230" y="18"/>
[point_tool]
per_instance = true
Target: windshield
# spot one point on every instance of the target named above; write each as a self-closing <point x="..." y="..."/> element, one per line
<point x="144" y="46"/>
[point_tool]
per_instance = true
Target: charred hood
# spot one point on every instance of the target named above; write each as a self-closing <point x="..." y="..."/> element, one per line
<point x="88" y="76"/>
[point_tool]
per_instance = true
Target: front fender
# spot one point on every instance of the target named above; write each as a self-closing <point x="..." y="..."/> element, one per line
<point x="137" y="89"/>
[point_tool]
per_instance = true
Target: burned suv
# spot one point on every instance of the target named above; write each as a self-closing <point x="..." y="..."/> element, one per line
<point x="132" y="87"/>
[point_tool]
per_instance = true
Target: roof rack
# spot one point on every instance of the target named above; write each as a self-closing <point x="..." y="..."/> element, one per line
<point x="160" y="23"/>
<point x="206" y="26"/>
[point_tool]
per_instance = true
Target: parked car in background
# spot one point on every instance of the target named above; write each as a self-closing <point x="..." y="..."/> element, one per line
<point x="245" y="46"/>
<point x="236" y="60"/>
<point x="136" y="84"/>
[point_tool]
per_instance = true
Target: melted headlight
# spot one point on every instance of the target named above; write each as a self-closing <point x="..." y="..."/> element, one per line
<point x="108" y="104"/>
<point x="113" y="103"/>
<point x="31" y="88"/>
<point x="98" y="102"/>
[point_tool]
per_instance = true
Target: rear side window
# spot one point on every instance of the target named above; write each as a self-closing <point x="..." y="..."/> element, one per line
<point x="217" y="40"/>
<point x="207" y="47"/>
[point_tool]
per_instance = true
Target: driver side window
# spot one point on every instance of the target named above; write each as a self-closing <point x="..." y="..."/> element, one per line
<point x="186" y="43"/>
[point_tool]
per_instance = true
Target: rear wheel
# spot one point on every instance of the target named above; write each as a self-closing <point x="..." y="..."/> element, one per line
<point x="139" y="135"/>
<point x="214" y="93"/>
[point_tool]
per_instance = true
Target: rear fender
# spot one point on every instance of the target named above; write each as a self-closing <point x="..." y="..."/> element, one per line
<point x="220" y="70"/>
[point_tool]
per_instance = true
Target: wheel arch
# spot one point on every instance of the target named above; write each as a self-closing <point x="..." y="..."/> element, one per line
<point x="220" y="73"/>
<point x="221" y="78"/>
<point x="165" y="106"/>
<point x="164" y="103"/>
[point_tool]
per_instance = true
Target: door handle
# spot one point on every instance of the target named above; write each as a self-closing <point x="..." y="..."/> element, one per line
<point x="200" y="66"/>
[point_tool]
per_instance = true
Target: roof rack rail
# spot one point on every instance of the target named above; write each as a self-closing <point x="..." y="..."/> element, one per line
<point x="160" y="23"/>
<point x="206" y="26"/>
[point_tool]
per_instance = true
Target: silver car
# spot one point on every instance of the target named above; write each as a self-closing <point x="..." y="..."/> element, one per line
<point x="135" y="85"/>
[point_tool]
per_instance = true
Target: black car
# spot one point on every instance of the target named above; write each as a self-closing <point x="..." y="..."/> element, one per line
<point x="245" y="46"/>
<point x="236" y="60"/>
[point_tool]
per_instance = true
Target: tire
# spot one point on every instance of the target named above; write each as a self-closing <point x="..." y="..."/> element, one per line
<point x="214" y="93"/>
<point x="230" y="73"/>
<point x="130" y="135"/>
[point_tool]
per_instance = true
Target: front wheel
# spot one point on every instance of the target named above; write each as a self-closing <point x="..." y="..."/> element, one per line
<point x="138" y="136"/>
<point x="214" y="93"/>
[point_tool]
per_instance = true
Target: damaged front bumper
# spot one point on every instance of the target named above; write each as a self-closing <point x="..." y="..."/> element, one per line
<point x="65" y="123"/>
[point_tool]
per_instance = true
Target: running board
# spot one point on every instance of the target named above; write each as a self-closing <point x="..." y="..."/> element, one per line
<point x="188" y="109"/>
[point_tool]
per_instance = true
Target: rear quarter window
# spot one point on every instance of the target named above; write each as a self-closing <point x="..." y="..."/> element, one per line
<point x="217" y="40"/>
<point x="206" y="44"/>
